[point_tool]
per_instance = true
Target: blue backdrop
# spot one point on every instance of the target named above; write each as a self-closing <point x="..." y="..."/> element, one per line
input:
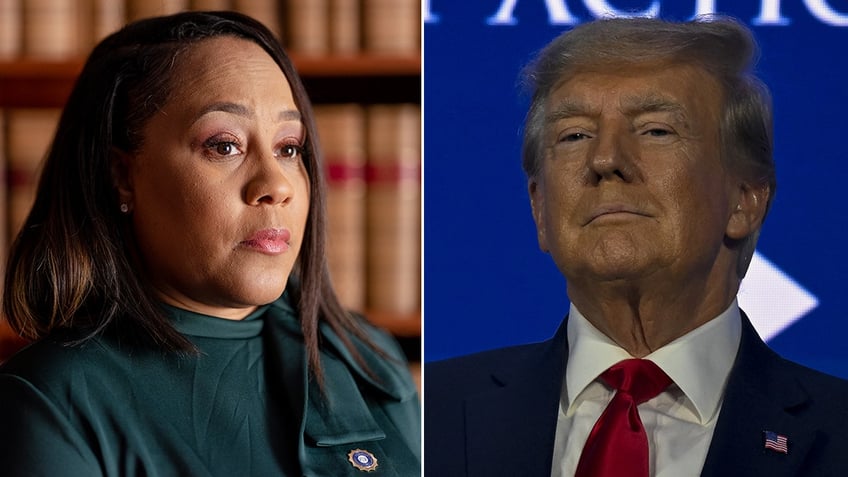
<point x="486" y="284"/>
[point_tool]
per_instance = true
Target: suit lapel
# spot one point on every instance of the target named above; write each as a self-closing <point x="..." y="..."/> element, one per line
<point x="511" y="428"/>
<point x="762" y="395"/>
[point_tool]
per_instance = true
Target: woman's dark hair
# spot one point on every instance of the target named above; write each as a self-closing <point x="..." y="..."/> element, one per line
<point x="71" y="267"/>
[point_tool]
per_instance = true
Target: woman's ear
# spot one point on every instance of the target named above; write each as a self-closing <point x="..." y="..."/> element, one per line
<point x="749" y="210"/>
<point x="122" y="178"/>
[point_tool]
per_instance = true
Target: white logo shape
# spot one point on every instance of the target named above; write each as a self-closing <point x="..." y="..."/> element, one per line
<point x="772" y="299"/>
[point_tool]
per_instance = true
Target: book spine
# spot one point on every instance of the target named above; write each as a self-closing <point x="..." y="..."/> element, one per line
<point x="30" y="132"/>
<point x="266" y="11"/>
<point x="341" y="130"/>
<point x="307" y="27"/>
<point x="345" y="26"/>
<point x="138" y="9"/>
<point x="11" y="34"/>
<point x="392" y="27"/>
<point x="107" y="17"/>
<point x="50" y="29"/>
<point x="393" y="208"/>
<point x="210" y="5"/>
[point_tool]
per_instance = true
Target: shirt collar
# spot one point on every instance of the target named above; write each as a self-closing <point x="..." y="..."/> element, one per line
<point x="206" y="326"/>
<point x="698" y="362"/>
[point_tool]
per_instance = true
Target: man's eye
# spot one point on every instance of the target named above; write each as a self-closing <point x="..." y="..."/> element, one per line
<point x="573" y="137"/>
<point x="657" y="132"/>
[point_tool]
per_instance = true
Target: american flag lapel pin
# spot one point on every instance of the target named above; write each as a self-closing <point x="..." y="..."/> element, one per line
<point x="776" y="442"/>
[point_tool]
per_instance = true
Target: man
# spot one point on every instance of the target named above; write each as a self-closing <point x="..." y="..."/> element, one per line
<point x="648" y="152"/>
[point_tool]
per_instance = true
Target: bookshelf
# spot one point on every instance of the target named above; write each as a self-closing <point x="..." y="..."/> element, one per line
<point x="365" y="78"/>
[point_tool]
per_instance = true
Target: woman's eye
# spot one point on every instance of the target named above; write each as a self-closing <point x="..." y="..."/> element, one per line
<point x="225" y="148"/>
<point x="290" y="151"/>
<point x="221" y="148"/>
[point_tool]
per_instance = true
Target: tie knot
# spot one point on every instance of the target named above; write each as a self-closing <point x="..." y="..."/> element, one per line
<point x="640" y="378"/>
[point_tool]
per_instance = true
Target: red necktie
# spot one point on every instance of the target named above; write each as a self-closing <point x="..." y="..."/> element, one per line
<point x="617" y="445"/>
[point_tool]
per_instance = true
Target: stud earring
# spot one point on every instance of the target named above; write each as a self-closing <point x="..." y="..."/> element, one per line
<point x="125" y="208"/>
<point x="738" y="206"/>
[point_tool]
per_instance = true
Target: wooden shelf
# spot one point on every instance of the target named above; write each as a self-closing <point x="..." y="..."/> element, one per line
<point x="47" y="84"/>
<point x="407" y="326"/>
<point x="357" y="66"/>
<point x="10" y="343"/>
<point x="36" y="84"/>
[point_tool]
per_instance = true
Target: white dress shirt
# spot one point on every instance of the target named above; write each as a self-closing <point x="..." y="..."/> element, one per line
<point x="679" y="422"/>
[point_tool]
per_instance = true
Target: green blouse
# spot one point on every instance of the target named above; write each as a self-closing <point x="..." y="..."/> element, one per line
<point x="245" y="406"/>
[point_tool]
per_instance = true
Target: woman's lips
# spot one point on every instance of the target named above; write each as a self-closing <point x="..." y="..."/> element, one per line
<point x="268" y="241"/>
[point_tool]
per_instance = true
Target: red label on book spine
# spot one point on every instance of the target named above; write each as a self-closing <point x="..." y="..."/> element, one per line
<point x="392" y="173"/>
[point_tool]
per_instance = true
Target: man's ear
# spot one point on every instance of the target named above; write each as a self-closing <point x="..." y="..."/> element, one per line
<point x="537" y="204"/>
<point x="119" y="163"/>
<point x="749" y="210"/>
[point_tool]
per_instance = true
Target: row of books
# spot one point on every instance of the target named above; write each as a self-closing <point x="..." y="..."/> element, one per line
<point x="62" y="29"/>
<point x="372" y="157"/>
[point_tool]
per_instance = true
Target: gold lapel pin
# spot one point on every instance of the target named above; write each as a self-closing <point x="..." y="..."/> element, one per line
<point x="362" y="460"/>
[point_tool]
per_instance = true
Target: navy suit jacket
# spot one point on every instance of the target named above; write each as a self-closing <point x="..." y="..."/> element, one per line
<point x="495" y="413"/>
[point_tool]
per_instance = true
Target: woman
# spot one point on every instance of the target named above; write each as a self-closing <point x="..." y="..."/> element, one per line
<point x="172" y="271"/>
